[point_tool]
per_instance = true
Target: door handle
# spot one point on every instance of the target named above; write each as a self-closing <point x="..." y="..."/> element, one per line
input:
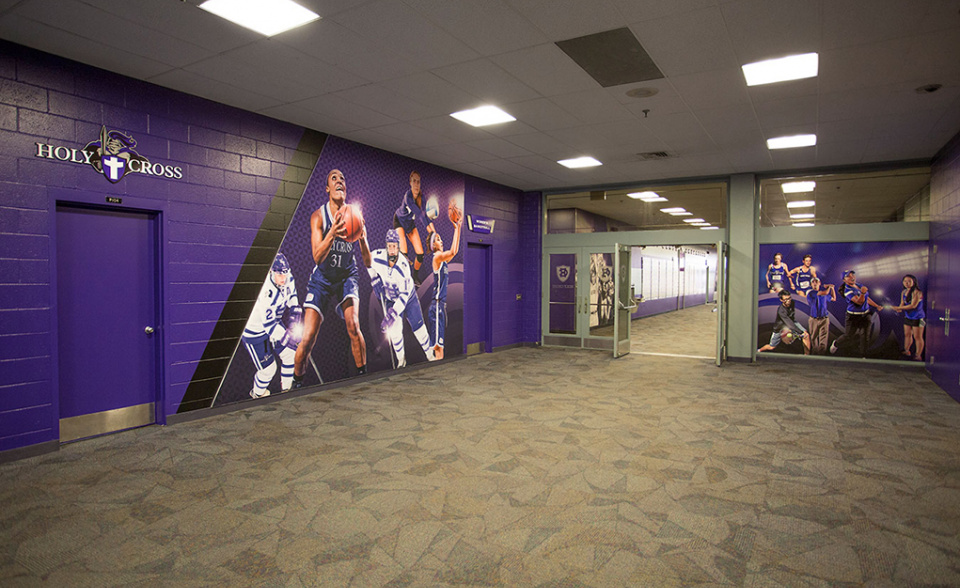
<point x="149" y="330"/>
<point x="631" y="308"/>
<point x="948" y="320"/>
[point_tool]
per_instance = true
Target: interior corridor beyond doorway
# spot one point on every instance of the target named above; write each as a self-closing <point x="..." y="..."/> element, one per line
<point x="688" y="332"/>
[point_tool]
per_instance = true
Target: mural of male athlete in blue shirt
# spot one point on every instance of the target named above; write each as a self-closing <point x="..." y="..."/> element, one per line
<point x="334" y="279"/>
<point x="857" y="323"/>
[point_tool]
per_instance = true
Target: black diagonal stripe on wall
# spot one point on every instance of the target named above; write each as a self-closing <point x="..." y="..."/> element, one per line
<point x="226" y="334"/>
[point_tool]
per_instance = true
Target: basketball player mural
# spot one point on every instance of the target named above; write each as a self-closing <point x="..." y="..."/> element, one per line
<point x="334" y="228"/>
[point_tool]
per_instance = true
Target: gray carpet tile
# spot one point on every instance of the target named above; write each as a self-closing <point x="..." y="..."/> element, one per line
<point x="527" y="467"/>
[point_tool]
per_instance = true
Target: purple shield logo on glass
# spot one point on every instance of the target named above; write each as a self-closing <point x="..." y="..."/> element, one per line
<point x="563" y="272"/>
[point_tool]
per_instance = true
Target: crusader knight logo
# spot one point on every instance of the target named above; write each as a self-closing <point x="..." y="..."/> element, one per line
<point x="563" y="272"/>
<point x="113" y="154"/>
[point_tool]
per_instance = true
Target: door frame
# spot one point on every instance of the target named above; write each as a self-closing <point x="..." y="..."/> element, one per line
<point x="91" y="199"/>
<point x="582" y="338"/>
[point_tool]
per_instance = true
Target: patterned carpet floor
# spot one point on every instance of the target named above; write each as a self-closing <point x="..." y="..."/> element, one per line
<point x="526" y="467"/>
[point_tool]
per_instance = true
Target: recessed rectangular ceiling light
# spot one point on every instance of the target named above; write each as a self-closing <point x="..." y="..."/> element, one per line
<point x="797" y="187"/>
<point x="793" y="67"/>
<point x="267" y="17"/>
<point x="803" y="224"/>
<point x="701" y="224"/>
<point x="483" y="116"/>
<point x="801" y="204"/>
<point x="709" y="228"/>
<point x="680" y="213"/>
<point x="694" y="220"/>
<point x="803" y="215"/>
<point x="674" y="209"/>
<point x="791" y="141"/>
<point x="576" y="162"/>
<point x="647" y="196"/>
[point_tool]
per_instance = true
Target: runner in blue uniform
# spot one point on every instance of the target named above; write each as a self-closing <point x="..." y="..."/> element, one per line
<point x="805" y="273"/>
<point x="914" y="318"/>
<point x="437" y="315"/>
<point x="778" y="274"/>
<point x="334" y="279"/>
<point x="405" y="222"/>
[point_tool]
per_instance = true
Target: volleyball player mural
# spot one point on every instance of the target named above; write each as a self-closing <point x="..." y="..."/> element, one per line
<point x="341" y="308"/>
<point x="862" y="300"/>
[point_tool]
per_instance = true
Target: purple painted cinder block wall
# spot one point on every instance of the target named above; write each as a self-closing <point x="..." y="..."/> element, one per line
<point x="243" y="175"/>
<point x="943" y="350"/>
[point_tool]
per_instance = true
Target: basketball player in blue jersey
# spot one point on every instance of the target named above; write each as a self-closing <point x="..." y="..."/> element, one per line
<point x="437" y="314"/>
<point x="391" y="279"/>
<point x="804" y="273"/>
<point x="857" y="323"/>
<point x="778" y="274"/>
<point x="405" y="222"/>
<point x="334" y="279"/>
<point x="265" y="335"/>
<point x="914" y="318"/>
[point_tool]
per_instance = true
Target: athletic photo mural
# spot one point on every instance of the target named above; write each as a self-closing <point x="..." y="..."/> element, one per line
<point x="862" y="300"/>
<point x="369" y="277"/>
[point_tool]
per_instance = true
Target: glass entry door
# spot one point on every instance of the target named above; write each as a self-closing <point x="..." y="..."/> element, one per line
<point x="580" y="299"/>
<point x="624" y="302"/>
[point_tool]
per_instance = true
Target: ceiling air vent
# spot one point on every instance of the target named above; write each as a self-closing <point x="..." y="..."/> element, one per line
<point x="653" y="155"/>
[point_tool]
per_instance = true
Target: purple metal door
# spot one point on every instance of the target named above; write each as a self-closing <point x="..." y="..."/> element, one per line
<point x="476" y="299"/>
<point x="106" y="312"/>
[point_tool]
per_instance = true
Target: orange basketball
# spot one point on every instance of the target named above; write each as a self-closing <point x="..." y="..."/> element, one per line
<point x="352" y="222"/>
<point x="453" y="210"/>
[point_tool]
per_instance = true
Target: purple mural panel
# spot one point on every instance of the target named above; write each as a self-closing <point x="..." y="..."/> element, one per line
<point x="880" y="267"/>
<point x="376" y="183"/>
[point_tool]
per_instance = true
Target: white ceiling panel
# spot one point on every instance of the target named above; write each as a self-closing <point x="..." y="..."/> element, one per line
<point x="433" y="91"/>
<point x="499" y="147"/>
<point x="310" y="119"/>
<point x="487" y="81"/>
<point x="546" y="69"/>
<point x="841" y="152"/>
<point x="642" y="10"/>
<point x="567" y="19"/>
<point x="747" y="159"/>
<point x="416" y="136"/>
<point x="860" y="22"/>
<point x="539" y="143"/>
<point x="59" y="42"/>
<point x="799" y="111"/>
<point x="681" y="132"/>
<point x="108" y="29"/>
<point x="687" y="43"/>
<point x="733" y="127"/>
<point x="347" y="111"/>
<point x="454" y="130"/>
<point x="489" y="27"/>
<point x="538" y="163"/>
<point x="385" y="101"/>
<point x="542" y="115"/>
<point x="197" y="85"/>
<point x="593" y="106"/>
<point x="712" y="89"/>
<point x="394" y="24"/>
<point x="435" y="155"/>
<point x="788" y="27"/>
<point x="376" y="139"/>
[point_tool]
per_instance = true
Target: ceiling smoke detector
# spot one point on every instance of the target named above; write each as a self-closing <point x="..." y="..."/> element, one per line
<point x="653" y="155"/>
<point x="642" y="92"/>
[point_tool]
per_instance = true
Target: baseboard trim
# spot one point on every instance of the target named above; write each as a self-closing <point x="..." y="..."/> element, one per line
<point x="29" y="451"/>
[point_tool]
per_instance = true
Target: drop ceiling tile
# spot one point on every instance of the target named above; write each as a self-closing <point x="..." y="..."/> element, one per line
<point x="333" y="43"/>
<point x="712" y="89"/>
<point x="412" y="134"/>
<point x="859" y="22"/>
<point x="386" y="101"/>
<point x="797" y="111"/>
<point x="394" y="24"/>
<point x="312" y="120"/>
<point x="467" y="153"/>
<point x="432" y="91"/>
<point x="634" y="11"/>
<point x="376" y="139"/>
<point x="119" y="34"/>
<point x="731" y="127"/>
<point x="489" y="27"/>
<point x="687" y="43"/>
<point x="841" y="152"/>
<point x="593" y="106"/>
<point x="437" y="155"/>
<point x="539" y="143"/>
<point x="453" y="129"/>
<point x="487" y="81"/>
<point x="759" y="29"/>
<point x="750" y="159"/>
<point x="45" y="38"/>
<point x="546" y="69"/>
<point x="681" y="133"/>
<point x="566" y="19"/>
<point x="542" y="114"/>
<point x="503" y="166"/>
<point x="202" y="86"/>
<point x="538" y="163"/>
<point x="499" y="147"/>
<point x="507" y="130"/>
<point x="181" y="20"/>
<point x="794" y="158"/>
<point x="854" y="128"/>
<point x="336" y="107"/>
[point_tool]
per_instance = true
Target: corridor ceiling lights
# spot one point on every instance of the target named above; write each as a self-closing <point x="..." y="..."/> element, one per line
<point x="797" y="187"/>
<point x="703" y="224"/>
<point x="483" y="116"/>
<point x="267" y="17"/>
<point x="709" y="228"/>
<point x="684" y="213"/>
<point x="803" y="215"/>
<point x="694" y="220"/>
<point x="801" y="204"/>
<point x="793" y="67"/>
<point x="803" y="224"/>
<point x="647" y="196"/>
<point x="576" y="162"/>
<point x="792" y="141"/>
<point x="673" y="210"/>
